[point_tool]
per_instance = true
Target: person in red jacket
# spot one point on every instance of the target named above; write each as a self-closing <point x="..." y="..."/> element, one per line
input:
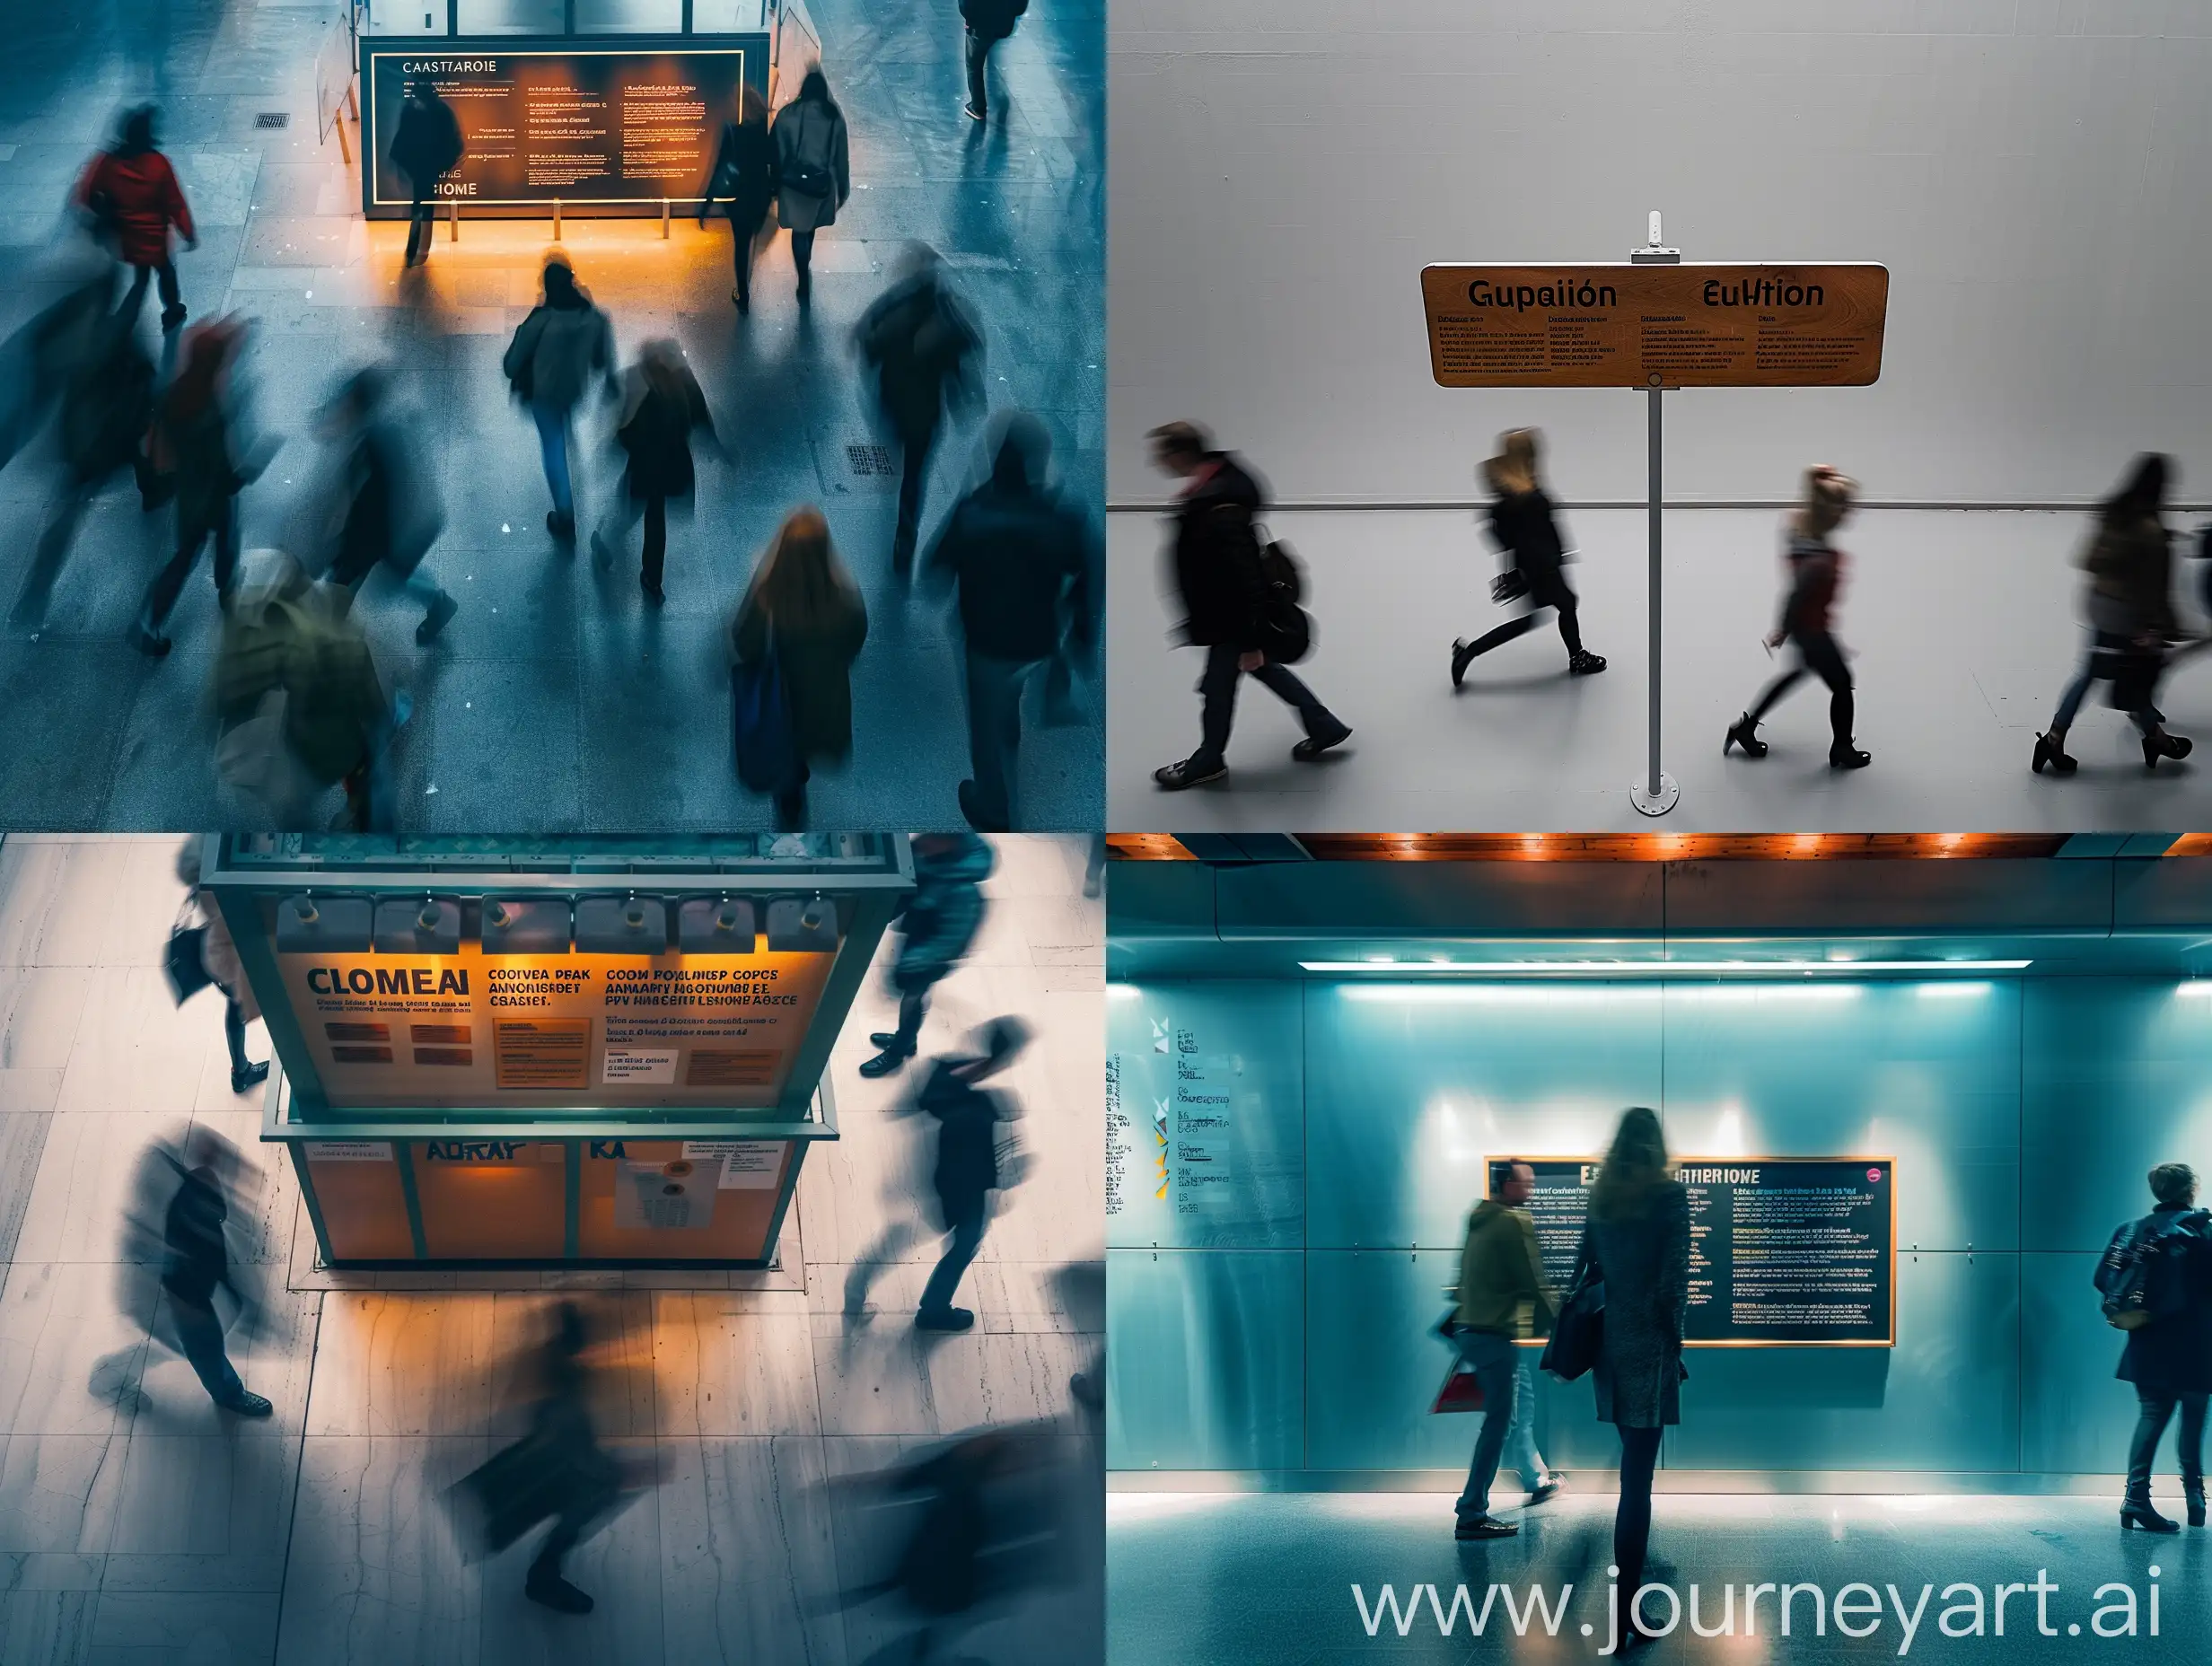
<point x="133" y="194"/>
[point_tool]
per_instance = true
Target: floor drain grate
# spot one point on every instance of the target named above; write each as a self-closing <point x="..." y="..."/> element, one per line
<point x="871" y="459"/>
<point x="273" y="118"/>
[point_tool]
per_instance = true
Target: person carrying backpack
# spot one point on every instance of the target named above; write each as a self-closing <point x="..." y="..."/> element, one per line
<point x="2155" y="1277"/>
<point x="1233" y="603"/>
<point x="557" y="351"/>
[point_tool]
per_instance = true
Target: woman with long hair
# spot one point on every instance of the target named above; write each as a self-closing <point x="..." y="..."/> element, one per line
<point x="804" y="608"/>
<point x="2129" y="612"/>
<point x="743" y="184"/>
<point x="1526" y="531"/>
<point x="813" y="173"/>
<point x="1636" y="1244"/>
<point x="1816" y="575"/>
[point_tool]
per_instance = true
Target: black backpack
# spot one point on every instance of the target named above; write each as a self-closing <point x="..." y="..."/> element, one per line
<point x="1285" y="629"/>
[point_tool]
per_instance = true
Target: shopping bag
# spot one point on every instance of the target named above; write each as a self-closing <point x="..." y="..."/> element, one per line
<point x="766" y="752"/>
<point x="1461" y="1390"/>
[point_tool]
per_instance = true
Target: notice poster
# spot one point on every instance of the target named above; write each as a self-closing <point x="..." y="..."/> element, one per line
<point x="1782" y="1250"/>
<point x="665" y="1197"/>
<point x="1735" y="325"/>
<point x="601" y="1030"/>
<point x="595" y="126"/>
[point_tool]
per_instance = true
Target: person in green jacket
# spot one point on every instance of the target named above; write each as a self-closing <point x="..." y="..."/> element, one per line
<point x="1502" y="1297"/>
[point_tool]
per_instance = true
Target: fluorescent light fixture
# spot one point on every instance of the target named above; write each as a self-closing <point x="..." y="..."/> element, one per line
<point x="1954" y="987"/>
<point x="1671" y="968"/>
<point x="2195" y="986"/>
<point x="1123" y="992"/>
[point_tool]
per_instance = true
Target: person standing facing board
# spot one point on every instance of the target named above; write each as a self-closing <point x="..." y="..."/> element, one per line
<point x="1502" y="1296"/>
<point x="2168" y="1356"/>
<point x="427" y="148"/>
<point x="988" y="21"/>
<point x="813" y="172"/>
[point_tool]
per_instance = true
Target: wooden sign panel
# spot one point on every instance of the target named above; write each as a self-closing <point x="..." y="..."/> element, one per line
<point x="1570" y="326"/>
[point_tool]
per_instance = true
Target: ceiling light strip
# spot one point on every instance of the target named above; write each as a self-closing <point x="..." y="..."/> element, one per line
<point x="1654" y="969"/>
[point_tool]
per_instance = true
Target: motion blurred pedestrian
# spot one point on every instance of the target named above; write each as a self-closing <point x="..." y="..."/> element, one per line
<point x="969" y="1117"/>
<point x="390" y="514"/>
<point x="1020" y="559"/>
<point x="744" y="185"/>
<point x="661" y="407"/>
<point x="813" y="171"/>
<point x="131" y="194"/>
<point x="219" y="960"/>
<point x="2129" y="606"/>
<point x="924" y="347"/>
<point x="1807" y="621"/>
<point x="557" y="351"/>
<point x="1225" y="593"/>
<point x="940" y="921"/>
<point x="197" y="1264"/>
<point x="426" y="147"/>
<point x="1526" y="530"/>
<point x="803" y="611"/>
<point x="194" y="445"/>
<point x="988" y="21"/>
<point x="1501" y="1297"/>
<point x="35" y="360"/>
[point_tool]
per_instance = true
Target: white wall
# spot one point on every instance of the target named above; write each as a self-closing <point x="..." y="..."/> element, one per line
<point x="2036" y="173"/>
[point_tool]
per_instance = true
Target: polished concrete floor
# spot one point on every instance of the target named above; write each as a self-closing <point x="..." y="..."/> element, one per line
<point x="558" y="688"/>
<point x="1223" y="1579"/>
<point x="150" y="1528"/>
<point x="1963" y="625"/>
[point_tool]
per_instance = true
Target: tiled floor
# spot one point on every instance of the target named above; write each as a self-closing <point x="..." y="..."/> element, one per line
<point x="556" y="685"/>
<point x="150" y="1527"/>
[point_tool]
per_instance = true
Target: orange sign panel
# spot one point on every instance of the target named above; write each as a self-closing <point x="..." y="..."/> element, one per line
<point x="1569" y="326"/>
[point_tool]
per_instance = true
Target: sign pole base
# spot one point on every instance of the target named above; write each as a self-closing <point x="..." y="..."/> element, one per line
<point x="1650" y="803"/>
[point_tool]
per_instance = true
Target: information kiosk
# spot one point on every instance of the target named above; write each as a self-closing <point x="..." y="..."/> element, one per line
<point x="598" y="1053"/>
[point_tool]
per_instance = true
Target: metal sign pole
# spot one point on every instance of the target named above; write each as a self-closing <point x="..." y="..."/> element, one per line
<point x="1656" y="794"/>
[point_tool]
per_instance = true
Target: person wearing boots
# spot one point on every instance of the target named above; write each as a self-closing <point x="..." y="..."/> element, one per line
<point x="1525" y="529"/>
<point x="941" y="920"/>
<point x="2168" y="1356"/>
<point x="1816" y="575"/>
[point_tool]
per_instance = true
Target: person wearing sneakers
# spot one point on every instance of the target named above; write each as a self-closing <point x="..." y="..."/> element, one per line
<point x="1502" y="1296"/>
<point x="1527" y="532"/>
<point x="941" y="920"/>
<point x="1225" y="593"/>
<point x="195" y="1262"/>
<point x="558" y="351"/>
<point x="1816" y="575"/>
<point x="967" y="1172"/>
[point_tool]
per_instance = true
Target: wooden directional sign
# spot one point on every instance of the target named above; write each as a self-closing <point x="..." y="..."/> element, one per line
<point x="1734" y="326"/>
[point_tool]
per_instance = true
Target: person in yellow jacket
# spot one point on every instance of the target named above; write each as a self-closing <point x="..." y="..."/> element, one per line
<point x="1502" y="1297"/>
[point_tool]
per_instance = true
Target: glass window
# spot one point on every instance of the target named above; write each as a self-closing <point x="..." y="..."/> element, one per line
<point x="630" y="17"/>
<point x="513" y="17"/>
<point x="723" y="16"/>
<point x="407" y="17"/>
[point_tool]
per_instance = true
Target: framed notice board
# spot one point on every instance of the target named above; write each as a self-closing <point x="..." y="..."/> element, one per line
<point x="1784" y="1251"/>
<point x="610" y="128"/>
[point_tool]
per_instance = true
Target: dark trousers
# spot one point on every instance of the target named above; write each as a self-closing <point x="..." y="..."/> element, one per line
<point x="740" y="256"/>
<point x="791" y="800"/>
<point x="655" y="511"/>
<point x="1820" y="654"/>
<point x="978" y="56"/>
<point x="164" y="273"/>
<point x="1492" y="1358"/>
<point x="192" y="534"/>
<point x="802" y="257"/>
<point x="966" y="1232"/>
<point x="235" y="1033"/>
<point x="1545" y="590"/>
<point x="2150" y="1427"/>
<point x="421" y="229"/>
<point x="1639" y="1456"/>
<point x="914" y="453"/>
<point x="1217" y="711"/>
<point x="201" y="1333"/>
<point x="912" y="1006"/>
<point x="995" y="733"/>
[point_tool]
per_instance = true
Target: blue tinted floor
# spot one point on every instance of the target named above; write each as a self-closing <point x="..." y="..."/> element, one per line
<point x="1222" y="1579"/>
<point x="556" y="698"/>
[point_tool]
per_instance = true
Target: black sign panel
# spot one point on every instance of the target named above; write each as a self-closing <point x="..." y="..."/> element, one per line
<point x="1782" y="1250"/>
<point x="605" y="130"/>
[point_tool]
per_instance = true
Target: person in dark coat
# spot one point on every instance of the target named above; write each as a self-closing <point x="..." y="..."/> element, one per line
<point x="813" y="171"/>
<point x="388" y="519"/>
<point x="1807" y="622"/>
<point x="194" y="444"/>
<point x="2129" y="609"/>
<point x="967" y="1172"/>
<point x="426" y="147"/>
<point x="1020" y="559"/>
<point x="560" y="350"/>
<point x="924" y="349"/>
<point x="197" y="1263"/>
<point x="2168" y="1356"/>
<point x="131" y="194"/>
<point x="988" y="21"/>
<point x="1523" y="526"/>
<point x="941" y="920"/>
<point x="1637" y="1241"/>
<point x="661" y="407"/>
<point x="743" y="184"/>
<point x="804" y="608"/>
<point x="1217" y="573"/>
